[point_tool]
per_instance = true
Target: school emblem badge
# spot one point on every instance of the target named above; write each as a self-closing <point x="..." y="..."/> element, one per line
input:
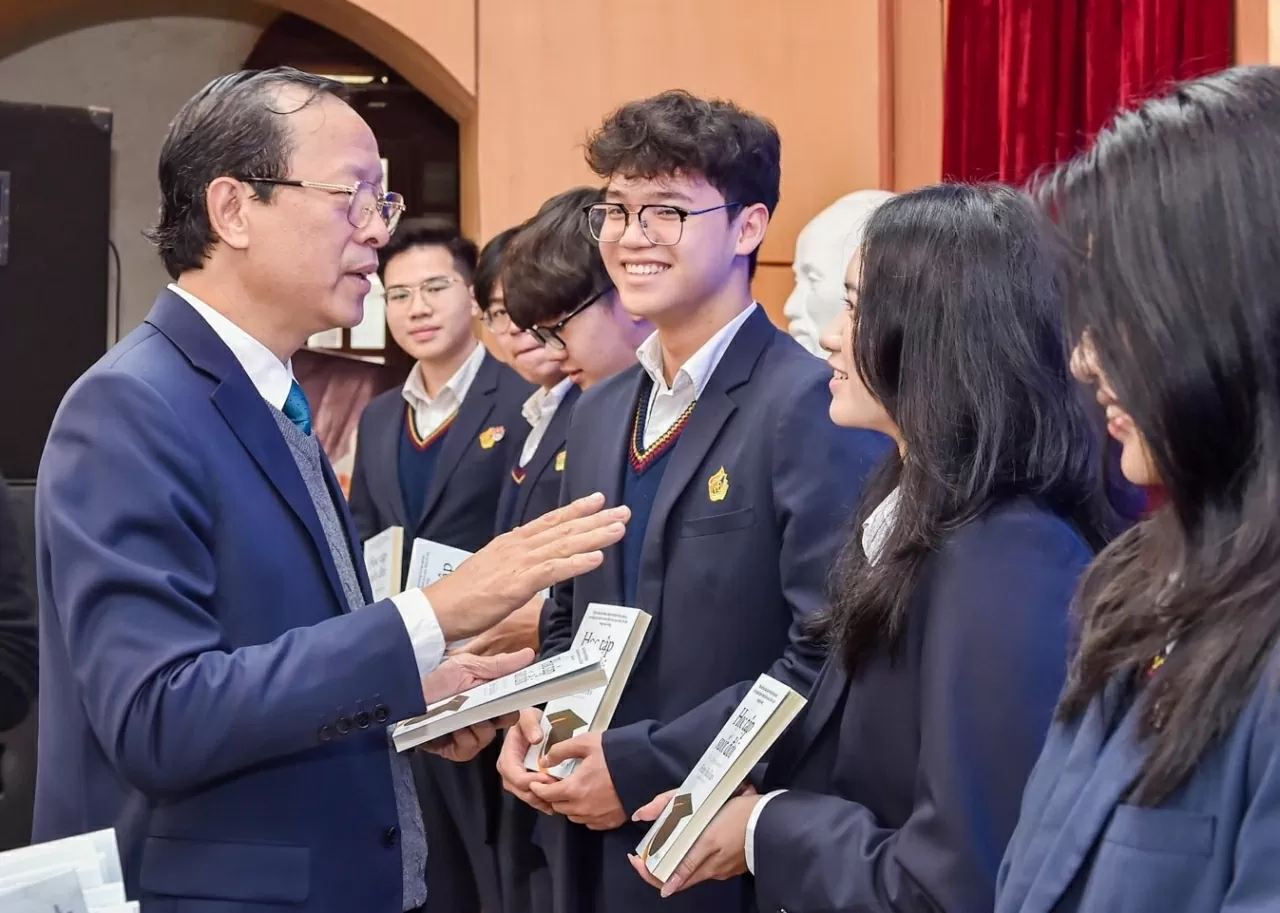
<point x="718" y="485"/>
<point x="560" y="461"/>
<point x="491" y="436"/>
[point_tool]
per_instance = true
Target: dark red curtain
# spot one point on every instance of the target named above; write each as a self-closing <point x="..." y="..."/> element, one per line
<point x="1029" y="82"/>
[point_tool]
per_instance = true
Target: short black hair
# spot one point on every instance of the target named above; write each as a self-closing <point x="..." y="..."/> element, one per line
<point x="430" y="231"/>
<point x="230" y="128"/>
<point x="489" y="266"/>
<point x="738" y="152"/>
<point x="554" y="264"/>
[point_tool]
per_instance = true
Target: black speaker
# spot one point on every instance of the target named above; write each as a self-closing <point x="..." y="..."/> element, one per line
<point x="55" y="196"/>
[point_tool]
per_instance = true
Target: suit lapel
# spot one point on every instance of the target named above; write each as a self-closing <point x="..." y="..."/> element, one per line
<point x="475" y="408"/>
<point x="248" y="416"/>
<point x="1099" y="771"/>
<point x="602" y="466"/>
<point x="551" y="444"/>
<point x="709" y="416"/>
<point x="387" y="456"/>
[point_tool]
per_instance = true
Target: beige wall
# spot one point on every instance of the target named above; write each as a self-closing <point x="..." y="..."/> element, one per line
<point x="855" y="86"/>
<point x="142" y="70"/>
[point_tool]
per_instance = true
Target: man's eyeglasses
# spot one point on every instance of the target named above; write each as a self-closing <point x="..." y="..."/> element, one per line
<point x="366" y="200"/>
<point x="402" y="294"/>
<point x="660" y="224"/>
<point x="496" y="318"/>
<point x="550" y="336"/>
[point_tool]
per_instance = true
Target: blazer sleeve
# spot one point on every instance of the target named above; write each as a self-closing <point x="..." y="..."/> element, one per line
<point x="129" y="541"/>
<point x="18" y="643"/>
<point x="818" y="471"/>
<point x="991" y="668"/>
<point x="360" y="499"/>
<point x="1255" y="876"/>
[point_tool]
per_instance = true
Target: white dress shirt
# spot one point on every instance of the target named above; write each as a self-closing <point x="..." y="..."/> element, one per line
<point x="273" y="379"/>
<point x="875" y="532"/>
<point x="538" y="410"/>
<point x="668" y="403"/>
<point x="430" y="413"/>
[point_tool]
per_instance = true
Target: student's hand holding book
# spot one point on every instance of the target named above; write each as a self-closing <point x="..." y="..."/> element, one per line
<point x="510" y="570"/>
<point x="462" y="673"/>
<point x="720" y="852"/>
<point x="516" y="778"/>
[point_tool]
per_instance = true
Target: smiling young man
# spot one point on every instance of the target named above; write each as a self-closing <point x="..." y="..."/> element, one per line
<point x="740" y="487"/>
<point x="431" y="457"/>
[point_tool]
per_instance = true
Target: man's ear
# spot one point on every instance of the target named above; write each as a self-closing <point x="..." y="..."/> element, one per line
<point x="228" y="202"/>
<point x="754" y="223"/>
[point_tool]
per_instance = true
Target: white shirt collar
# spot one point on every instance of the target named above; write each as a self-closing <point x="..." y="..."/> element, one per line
<point x="877" y="527"/>
<point x="701" y="365"/>
<point x="415" y="389"/>
<point x="544" y="402"/>
<point x="271" y="377"/>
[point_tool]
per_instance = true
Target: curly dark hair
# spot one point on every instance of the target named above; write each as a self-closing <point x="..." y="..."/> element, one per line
<point x="738" y="152"/>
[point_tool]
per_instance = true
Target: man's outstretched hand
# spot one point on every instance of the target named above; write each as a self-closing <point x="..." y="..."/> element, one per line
<point x="510" y="570"/>
<point x="462" y="673"/>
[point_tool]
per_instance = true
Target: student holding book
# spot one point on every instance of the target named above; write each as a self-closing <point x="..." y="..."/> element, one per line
<point x="718" y="439"/>
<point x="431" y="457"/>
<point x="559" y="298"/>
<point x="1158" y="790"/>
<point x="899" y="785"/>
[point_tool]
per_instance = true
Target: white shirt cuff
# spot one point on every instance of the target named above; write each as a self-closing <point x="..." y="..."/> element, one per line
<point x="750" y="847"/>
<point x="423" y="628"/>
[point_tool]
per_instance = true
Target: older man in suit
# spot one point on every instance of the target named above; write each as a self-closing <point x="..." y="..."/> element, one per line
<point x="216" y="683"/>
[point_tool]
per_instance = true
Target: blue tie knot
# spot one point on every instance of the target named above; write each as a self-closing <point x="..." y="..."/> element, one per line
<point x="297" y="409"/>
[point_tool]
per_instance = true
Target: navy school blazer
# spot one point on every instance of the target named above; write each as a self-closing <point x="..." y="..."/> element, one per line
<point x="729" y="583"/>
<point x="540" y="491"/>
<point x="204" y="688"/>
<point x="462" y="502"/>
<point x="1214" y="844"/>
<point x="904" y="781"/>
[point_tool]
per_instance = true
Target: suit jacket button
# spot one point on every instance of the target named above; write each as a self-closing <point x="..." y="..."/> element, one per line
<point x="381" y="713"/>
<point x="362" y="719"/>
<point x="326" y="732"/>
<point x="344" y="725"/>
<point x="390" y="837"/>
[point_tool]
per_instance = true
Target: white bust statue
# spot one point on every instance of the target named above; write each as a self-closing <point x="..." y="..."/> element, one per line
<point x="823" y="251"/>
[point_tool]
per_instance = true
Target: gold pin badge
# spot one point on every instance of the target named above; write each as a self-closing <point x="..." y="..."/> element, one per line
<point x="718" y="485"/>
<point x="491" y="436"/>
<point x="560" y="461"/>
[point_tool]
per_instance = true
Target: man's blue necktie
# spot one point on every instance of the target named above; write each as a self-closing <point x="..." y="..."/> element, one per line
<point x="297" y="409"/>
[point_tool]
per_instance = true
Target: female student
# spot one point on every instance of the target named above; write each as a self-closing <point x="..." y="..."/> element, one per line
<point x="1159" y="785"/>
<point x="899" y="786"/>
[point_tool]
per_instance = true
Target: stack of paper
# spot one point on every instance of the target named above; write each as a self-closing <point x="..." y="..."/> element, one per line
<point x="74" y="875"/>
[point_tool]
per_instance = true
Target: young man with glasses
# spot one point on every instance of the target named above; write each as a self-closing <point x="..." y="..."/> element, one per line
<point x="554" y="305"/>
<point x="740" y="487"/>
<point x="431" y="457"/>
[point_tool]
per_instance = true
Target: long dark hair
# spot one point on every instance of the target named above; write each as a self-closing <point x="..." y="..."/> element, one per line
<point x="1174" y="217"/>
<point x="958" y="334"/>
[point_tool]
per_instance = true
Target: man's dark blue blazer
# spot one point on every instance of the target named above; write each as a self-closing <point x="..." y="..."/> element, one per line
<point x="460" y="802"/>
<point x="203" y="687"/>
<point x="730" y="583"/>
<point x="904" y="780"/>
<point x="522" y="865"/>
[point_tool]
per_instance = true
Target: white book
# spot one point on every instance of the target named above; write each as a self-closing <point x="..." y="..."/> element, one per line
<point x="556" y="676"/>
<point x="617" y="632"/>
<point x="430" y="561"/>
<point x="383" y="555"/>
<point x="107" y="895"/>
<point x="759" y="719"/>
<point x="130" y="907"/>
<point x="56" y="893"/>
